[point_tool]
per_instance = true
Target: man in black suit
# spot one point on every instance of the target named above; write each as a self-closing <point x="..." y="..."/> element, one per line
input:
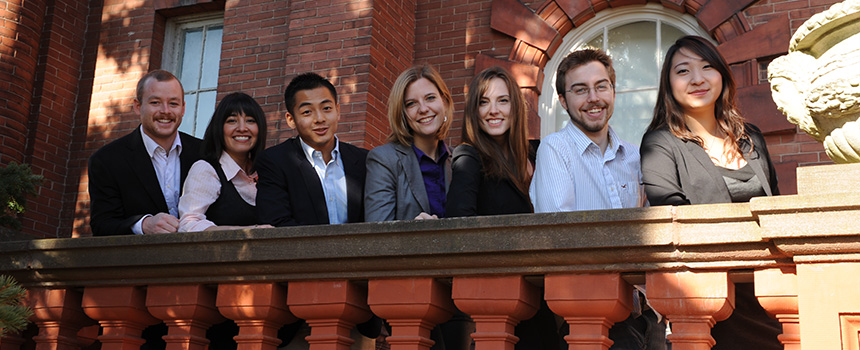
<point x="135" y="181"/>
<point x="311" y="179"/>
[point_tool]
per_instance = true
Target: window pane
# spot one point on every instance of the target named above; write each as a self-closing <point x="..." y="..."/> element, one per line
<point x="191" y="58"/>
<point x="211" y="58"/>
<point x="205" y="108"/>
<point x="668" y="35"/>
<point x="188" y="121"/>
<point x="632" y="114"/>
<point x="633" y="47"/>
<point x="597" y="42"/>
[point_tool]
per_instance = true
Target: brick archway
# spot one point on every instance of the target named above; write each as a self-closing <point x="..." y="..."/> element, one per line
<point x="539" y="33"/>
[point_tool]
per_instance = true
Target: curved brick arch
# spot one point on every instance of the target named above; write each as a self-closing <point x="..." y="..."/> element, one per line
<point x="538" y="34"/>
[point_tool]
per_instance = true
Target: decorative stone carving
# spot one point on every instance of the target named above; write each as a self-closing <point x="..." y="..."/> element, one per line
<point x="817" y="85"/>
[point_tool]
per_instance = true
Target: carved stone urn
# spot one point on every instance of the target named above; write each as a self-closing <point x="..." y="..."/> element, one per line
<point x="817" y="85"/>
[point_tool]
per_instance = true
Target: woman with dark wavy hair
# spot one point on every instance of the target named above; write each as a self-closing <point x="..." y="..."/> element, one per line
<point x="699" y="150"/>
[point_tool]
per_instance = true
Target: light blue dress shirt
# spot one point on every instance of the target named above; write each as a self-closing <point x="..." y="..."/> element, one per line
<point x="332" y="178"/>
<point x="571" y="173"/>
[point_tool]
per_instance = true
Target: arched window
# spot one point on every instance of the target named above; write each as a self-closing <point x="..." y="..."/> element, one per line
<point x="637" y="38"/>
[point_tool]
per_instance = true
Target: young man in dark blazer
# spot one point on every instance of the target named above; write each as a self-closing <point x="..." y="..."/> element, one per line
<point x="135" y="181"/>
<point x="311" y="179"/>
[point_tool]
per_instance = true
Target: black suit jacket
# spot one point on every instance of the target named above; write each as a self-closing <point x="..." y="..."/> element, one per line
<point x="289" y="192"/>
<point x="676" y="172"/>
<point x="123" y="185"/>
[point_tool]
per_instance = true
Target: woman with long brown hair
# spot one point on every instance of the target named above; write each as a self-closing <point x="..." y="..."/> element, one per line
<point x="493" y="167"/>
<point x="699" y="150"/>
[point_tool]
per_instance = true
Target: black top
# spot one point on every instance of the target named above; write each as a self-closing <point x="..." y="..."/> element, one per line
<point x="742" y="183"/>
<point x="677" y="172"/>
<point x="473" y="193"/>
<point x="230" y="208"/>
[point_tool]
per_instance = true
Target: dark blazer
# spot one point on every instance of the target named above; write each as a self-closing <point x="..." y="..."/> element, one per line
<point x="123" y="185"/>
<point x="473" y="193"/>
<point x="394" y="189"/>
<point x="289" y="192"/>
<point x="676" y="172"/>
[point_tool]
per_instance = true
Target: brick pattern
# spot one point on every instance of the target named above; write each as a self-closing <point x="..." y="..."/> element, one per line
<point x="450" y="36"/>
<point x="52" y="113"/>
<point x="20" y="30"/>
<point x="798" y="11"/>
<point x="253" y="51"/>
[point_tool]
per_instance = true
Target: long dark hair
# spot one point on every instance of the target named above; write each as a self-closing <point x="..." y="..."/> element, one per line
<point x="669" y="113"/>
<point x="509" y="160"/>
<point x="233" y="104"/>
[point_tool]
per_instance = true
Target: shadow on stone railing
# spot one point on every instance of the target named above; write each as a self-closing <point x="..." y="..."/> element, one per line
<point x="802" y="252"/>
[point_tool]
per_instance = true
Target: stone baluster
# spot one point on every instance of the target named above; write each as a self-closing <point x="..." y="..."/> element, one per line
<point x="693" y="302"/>
<point x="88" y="335"/>
<point x="59" y="316"/>
<point x="590" y="304"/>
<point x="412" y="307"/>
<point x="259" y="309"/>
<point x="121" y="311"/>
<point x="776" y="290"/>
<point x="331" y="309"/>
<point x="496" y="304"/>
<point x="187" y="310"/>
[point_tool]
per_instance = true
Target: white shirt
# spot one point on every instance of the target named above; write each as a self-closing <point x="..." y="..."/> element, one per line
<point x="332" y="178"/>
<point x="571" y="173"/>
<point x="203" y="187"/>
<point x="168" y="170"/>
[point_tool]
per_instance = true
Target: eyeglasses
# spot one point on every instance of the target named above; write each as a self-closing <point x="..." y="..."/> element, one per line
<point x="582" y="90"/>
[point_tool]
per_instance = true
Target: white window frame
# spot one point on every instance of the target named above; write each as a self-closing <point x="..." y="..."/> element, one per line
<point x="172" y="55"/>
<point x="600" y="25"/>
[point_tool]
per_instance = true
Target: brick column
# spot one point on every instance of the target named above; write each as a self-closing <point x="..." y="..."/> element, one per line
<point x="59" y="316"/>
<point x="331" y="309"/>
<point x="693" y="302"/>
<point x="188" y="311"/>
<point x="20" y="31"/>
<point x="496" y="304"/>
<point x="121" y="311"/>
<point x="590" y="304"/>
<point x="776" y="290"/>
<point x="259" y="309"/>
<point x="412" y="307"/>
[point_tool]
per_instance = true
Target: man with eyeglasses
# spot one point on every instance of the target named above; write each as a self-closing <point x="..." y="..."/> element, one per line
<point x="586" y="166"/>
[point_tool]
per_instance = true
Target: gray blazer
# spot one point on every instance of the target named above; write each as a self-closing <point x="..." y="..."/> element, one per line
<point x="394" y="187"/>
<point x="676" y="172"/>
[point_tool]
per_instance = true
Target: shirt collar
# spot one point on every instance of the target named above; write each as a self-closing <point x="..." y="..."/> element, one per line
<point x="151" y="145"/>
<point x="582" y="141"/>
<point x="230" y="167"/>
<point x="441" y="149"/>
<point x="309" y="151"/>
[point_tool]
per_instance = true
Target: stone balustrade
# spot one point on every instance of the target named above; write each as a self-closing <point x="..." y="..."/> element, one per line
<point x="801" y="251"/>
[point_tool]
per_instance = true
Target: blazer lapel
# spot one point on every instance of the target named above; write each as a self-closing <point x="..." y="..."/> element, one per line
<point x="412" y="171"/>
<point x="140" y="161"/>
<point x="755" y="160"/>
<point x="312" y="183"/>
<point x="187" y="158"/>
<point x="707" y="164"/>
<point x="355" y="173"/>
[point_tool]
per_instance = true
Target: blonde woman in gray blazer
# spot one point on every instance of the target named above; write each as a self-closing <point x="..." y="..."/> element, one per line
<point x="408" y="177"/>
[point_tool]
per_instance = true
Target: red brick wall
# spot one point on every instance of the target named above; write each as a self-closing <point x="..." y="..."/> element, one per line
<point x="450" y="35"/>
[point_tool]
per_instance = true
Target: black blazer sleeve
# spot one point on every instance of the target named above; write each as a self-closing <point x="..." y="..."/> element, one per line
<point x="274" y="204"/>
<point x="760" y="146"/>
<point x="107" y="216"/>
<point x="466" y="180"/>
<point x="660" y="173"/>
